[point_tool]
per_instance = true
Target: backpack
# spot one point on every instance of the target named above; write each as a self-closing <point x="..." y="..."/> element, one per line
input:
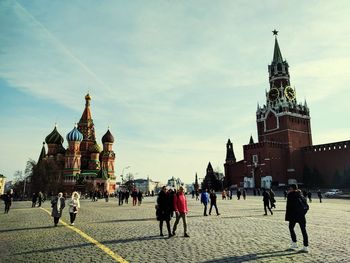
<point x="303" y="206"/>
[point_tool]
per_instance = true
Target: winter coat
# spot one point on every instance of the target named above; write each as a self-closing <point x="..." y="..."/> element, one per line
<point x="55" y="212"/>
<point x="212" y="198"/>
<point x="204" y="197"/>
<point x="163" y="211"/>
<point x="293" y="211"/>
<point x="180" y="203"/>
<point x="266" y="197"/>
<point x="74" y="205"/>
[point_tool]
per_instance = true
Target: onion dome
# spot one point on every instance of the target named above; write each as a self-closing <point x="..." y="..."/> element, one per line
<point x="95" y="148"/>
<point x="54" y="137"/>
<point x="61" y="149"/>
<point x="108" y="137"/>
<point x="74" y="135"/>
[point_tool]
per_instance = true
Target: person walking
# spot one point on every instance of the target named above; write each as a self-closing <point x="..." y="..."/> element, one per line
<point x="40" y="198"/>
<point x="319" y="194"/>
<point x="266" y="200"/>
<point x="197" y="195"/>
<point x="205" y="200"/>
<point x="163" y="210"/>
<point x="181" y="210"/>
<point x="244" y="193"/>
<point x="140" y="197"/>
<point x="239" y="193"/>
<point x="127" y="194"/>
<point x="223" y="194"/>
<point x="34" y="198"/>
<point x="272" y="199"/>
<point x="285" y="194"/>
<point x="213" y="202"/>
<point x="120" y="197"/>
<point x="8" y="201"/>
<point x="106" y="196"/>
<point x="309" y="195"/>
<point x="295" y="213"/>
<point x="58" y="203"/>
<point x="74" y="206"/>
<point x="134" y="196"/>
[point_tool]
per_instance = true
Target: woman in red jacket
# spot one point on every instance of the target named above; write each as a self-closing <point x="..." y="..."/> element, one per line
<point x="180" y="207"/>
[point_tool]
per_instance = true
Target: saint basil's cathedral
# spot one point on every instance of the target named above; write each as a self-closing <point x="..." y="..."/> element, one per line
<point x="284" y="152"/>
<point x="83" y="160"/>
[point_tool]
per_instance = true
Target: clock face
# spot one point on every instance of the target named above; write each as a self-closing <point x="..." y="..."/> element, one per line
<point x="289" y="92"/>
<point x="273" y="94"/>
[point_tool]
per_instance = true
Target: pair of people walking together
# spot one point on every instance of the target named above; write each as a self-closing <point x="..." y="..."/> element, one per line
<point x="166" y="204"/>
<point x="58" y="204"/>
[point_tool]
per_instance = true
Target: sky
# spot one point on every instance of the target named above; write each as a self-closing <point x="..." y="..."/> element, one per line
<point x="174" y="80"/>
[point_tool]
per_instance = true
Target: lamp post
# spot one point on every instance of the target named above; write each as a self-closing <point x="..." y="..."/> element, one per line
<point x="122" y="175"/>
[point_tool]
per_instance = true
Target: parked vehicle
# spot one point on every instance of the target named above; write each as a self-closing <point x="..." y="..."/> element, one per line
<point x="333" y="193"/>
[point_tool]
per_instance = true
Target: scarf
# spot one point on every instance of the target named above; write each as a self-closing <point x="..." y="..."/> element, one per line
<point x="59" y="204"/>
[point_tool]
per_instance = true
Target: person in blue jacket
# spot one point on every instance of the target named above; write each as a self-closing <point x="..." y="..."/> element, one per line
<point x="205" y="200"/>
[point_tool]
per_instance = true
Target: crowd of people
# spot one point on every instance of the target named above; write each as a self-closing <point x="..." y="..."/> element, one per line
<point x="171" y="202"/>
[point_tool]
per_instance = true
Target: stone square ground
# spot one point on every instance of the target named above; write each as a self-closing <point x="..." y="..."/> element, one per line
<point x="106" y="232"/>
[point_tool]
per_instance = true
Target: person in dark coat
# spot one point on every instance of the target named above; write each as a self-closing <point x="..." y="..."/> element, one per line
<point x="239" y="193"/>
<point x="285" y="194"/>
<point x="296" y="214"/>
<point x="120" y="197"/>
<point x="244" y="193"/>
<point x="213" y="202"/>
<point x="57" y="204"/>
<point x="266" y="200"/>
<point x="34" y="198"/>
<point x="40" y="198"/>
<point x="272" y="198"/>
<point x="319" y="194"/>
<point x="126" y="195"/>
<point x="163" y="210"/>
<point x="8" y="201"/>
<point x="140" y="197"/>
<point x="309" y="195"/>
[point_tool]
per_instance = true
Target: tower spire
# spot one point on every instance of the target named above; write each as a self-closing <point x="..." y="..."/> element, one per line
<point x="277" y="55"/>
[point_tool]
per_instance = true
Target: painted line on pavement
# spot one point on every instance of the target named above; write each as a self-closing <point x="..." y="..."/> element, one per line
<point x="105" y="249"/>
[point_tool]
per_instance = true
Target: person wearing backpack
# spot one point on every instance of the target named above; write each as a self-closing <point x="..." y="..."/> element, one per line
<point x="296" y="209"/>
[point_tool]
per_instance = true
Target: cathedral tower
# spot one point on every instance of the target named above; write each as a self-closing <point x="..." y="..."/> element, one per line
<point x="72" y="165"/>
<point x="86" y="127"/>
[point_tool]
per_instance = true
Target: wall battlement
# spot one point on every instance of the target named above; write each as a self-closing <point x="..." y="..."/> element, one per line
<point x="328" y="147"/>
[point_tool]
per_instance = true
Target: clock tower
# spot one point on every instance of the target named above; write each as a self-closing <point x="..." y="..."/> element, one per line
<point x="282" y="119"/>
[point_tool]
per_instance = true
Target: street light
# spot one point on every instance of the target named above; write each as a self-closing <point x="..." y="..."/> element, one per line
<point x="122" y="175"/>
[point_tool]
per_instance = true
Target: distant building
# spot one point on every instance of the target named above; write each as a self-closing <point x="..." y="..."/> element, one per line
<point x="284" y="152"/>
<point x="2" y="184"/>
<point x="175" y="183"/>
<point x="147" y="186"/>
<point x="83" y="165"/>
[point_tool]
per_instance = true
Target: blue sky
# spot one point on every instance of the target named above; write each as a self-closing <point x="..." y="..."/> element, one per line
<point x="173" y="79"/>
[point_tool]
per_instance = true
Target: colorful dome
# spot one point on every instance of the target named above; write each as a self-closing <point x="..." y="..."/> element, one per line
<point x="54" y="137"/>
<point x="108" y="137"/>
<point x="95" y="148"/>
<point x="74" y="135"/>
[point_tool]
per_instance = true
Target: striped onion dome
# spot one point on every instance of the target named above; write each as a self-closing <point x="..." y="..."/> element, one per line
<point x="54" y="137"/>
<point x="74" y="135"/>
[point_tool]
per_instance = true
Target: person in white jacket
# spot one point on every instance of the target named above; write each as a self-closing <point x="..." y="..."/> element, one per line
<point x="74" y="206"/>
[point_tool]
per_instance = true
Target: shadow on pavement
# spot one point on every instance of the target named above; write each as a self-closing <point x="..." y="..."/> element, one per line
<point x="25" y="228"/>
<point x="254" y="256"/>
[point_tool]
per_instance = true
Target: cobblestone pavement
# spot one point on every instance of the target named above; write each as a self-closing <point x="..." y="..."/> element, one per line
<point x="240" y="234"/>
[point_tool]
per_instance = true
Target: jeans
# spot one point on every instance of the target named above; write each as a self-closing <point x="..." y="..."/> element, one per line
<point x="216" y="208"/>
<point x="72" y="217"/>
<point x="303" y="231"/>
<point x="184" y="220"/>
